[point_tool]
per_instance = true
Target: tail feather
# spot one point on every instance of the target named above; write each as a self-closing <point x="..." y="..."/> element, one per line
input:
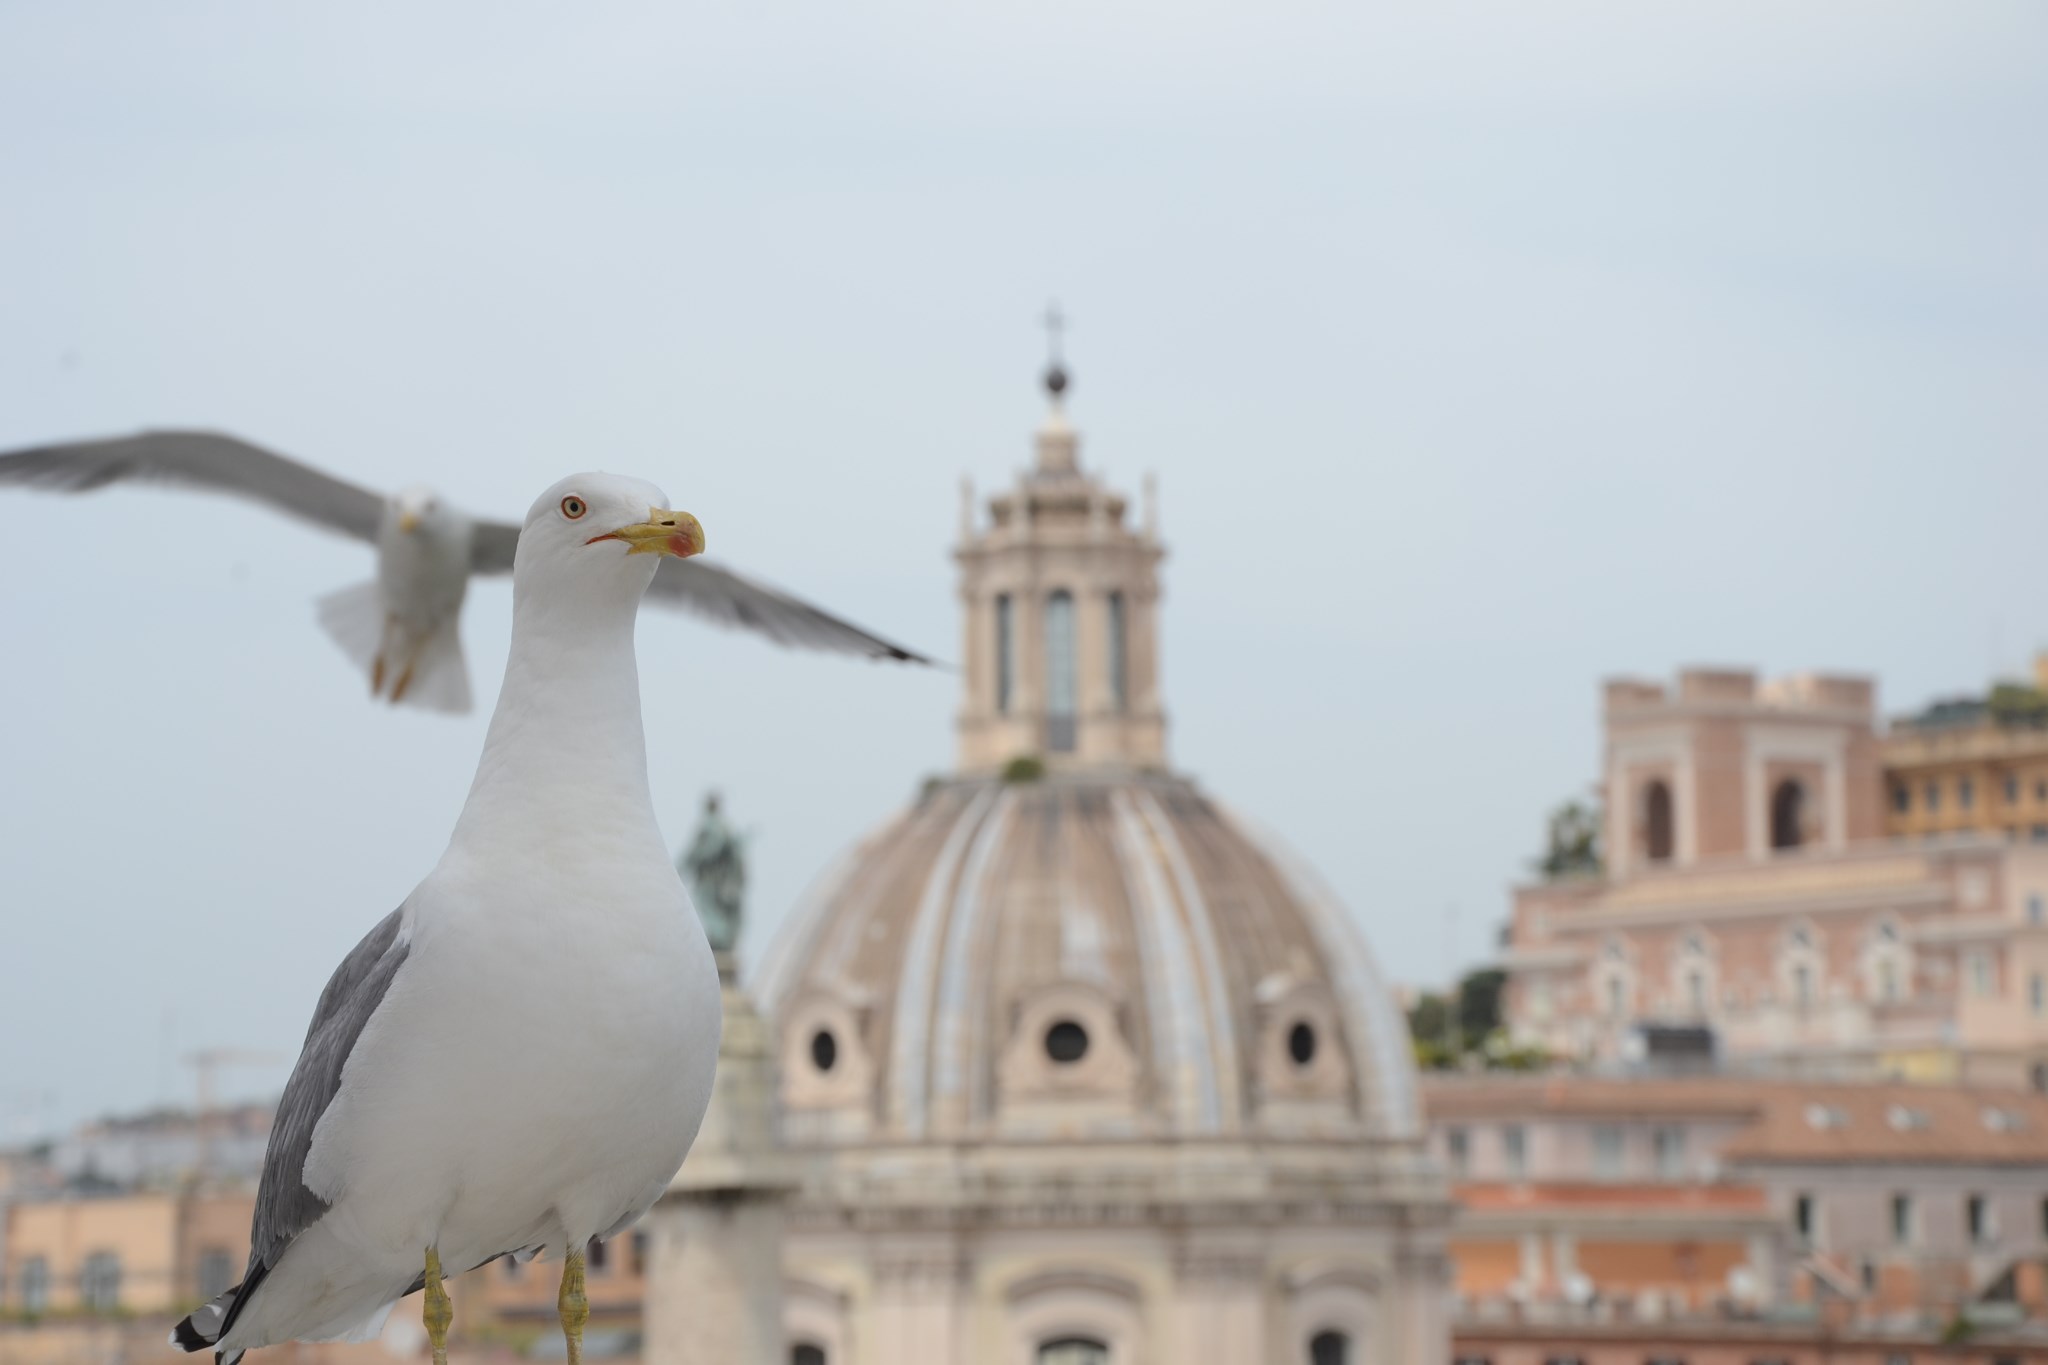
<point x="354" y="618"/>
<point x="405" y="668"/>
<point x="436" y="677"/>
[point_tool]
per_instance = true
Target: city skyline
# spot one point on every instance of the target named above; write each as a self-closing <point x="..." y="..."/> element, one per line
<point x="1475" y="364"/>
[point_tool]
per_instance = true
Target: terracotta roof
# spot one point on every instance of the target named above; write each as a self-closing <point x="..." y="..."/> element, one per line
<point x="1497" y="1096"/>
<point x="1914" y="1124"/>
<point x="1789" y="1121"/>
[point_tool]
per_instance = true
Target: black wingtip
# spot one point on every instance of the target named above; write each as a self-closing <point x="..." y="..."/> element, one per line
<point x="186" y="1337"/>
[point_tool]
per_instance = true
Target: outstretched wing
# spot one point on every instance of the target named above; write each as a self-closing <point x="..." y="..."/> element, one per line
<point x="730" y="598"/>
<point x="204" y="460"/>
<point x="284" y="1206"/>
<point x="724" y="597"/>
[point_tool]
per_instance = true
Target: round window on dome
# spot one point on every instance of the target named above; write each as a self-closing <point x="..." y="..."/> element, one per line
<point x="1301" y="1043"/>
<point x="1066" y="1042"/>
<point x="824" y="1050"/>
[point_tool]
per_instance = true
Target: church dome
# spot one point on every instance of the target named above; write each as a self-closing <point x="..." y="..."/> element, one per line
<point x="1063" y="939"/>
<point x="1095" y="954"/>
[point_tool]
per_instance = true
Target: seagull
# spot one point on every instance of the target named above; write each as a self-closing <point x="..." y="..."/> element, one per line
<point x="517" y="1058"/>
<point x="402" y="627"/>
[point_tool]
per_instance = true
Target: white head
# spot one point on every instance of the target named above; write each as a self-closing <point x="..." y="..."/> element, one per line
<point x="420" y="508"/>
<point x="586" y="537"/>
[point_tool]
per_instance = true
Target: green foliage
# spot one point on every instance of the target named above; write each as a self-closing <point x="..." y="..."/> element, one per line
<point x="1468" y="1034"/>
<point x="1024" y="768"/>
<point x="1479" y="1001"/>
<point x="2018" y="704"/>
<point x="1573" y="843"/>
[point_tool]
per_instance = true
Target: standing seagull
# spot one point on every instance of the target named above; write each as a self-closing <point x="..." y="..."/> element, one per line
<point x="517" y="1058"/>
<point x="402" y="627"/>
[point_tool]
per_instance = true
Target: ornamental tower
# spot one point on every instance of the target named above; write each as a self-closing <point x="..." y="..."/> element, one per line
<point x="1060" y="601"/>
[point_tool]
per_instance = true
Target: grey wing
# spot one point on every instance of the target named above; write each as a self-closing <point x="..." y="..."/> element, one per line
<point x="722" y="596"/>
<point x="284" y="1206"/>
<point x="491" y="546"/>
<point x="200" y="459"/>
<point x="730" y="598"/>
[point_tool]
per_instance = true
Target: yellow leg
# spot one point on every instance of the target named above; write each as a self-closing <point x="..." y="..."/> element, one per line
<point x="575" y="1309"/>
<point x="439" y="1312"/>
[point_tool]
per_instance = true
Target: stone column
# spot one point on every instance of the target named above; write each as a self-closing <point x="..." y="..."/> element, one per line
<point x="714" y="1263"/>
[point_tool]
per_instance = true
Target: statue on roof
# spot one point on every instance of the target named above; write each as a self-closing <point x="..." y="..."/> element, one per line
<point x="715" y="865"/>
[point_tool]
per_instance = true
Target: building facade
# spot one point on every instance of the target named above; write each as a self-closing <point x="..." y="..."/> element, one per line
<point x="1975" y="764"/>
<point x="1750" y="886"/>
<point x="1695" y="1218"/>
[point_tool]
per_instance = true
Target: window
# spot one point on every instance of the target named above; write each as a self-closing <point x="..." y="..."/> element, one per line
<point x="1902" y="1218"/>
<point x="1696" y="993"/>
<point x="824" y="1050"/>
<point x="2041" y="790"/>
<point x="805" y="1353"/>
<point x="1514" y="1148"/>
<point x="597" y="1256"/>
<point x="1669" y="1146"/>
<point x="1329" y="1348"/>
<point x="99" y="1282"/>
<point x="2044" y="1219"/>
<point x="35" y="1280"/>
<point x="1887" y="980"/>
<point x="1932" y="799"/>
<point x="1061" y="689"/>
<point x="1617" y="996"/>
<point x="1301" y="1043"/>
<point x="1606" y="1152"/>
<point x="216" y="1273"/>
<point x="1802" y="985"/>
<point x="2037" y="1077"/>
<point x="1802" y="1217"/>
<point x="1458" y="1151"/>
<point x="1073" y="1351"/>
<point x="1006" y="652"/>
<point x="1657" y="838"/>
<point x="1066" y="1042"/>
<point x="1966" y="793"/>
<point x="639" y="1244"/>
<point x="2039" y="834"/>
<point x="2037" y="993"/>
<point x="1788" y="815"/>
<point x="1977" y="1218"/>
<point x="1982" y="979"/>
<point x="1119" y="686"/>
<point x="2012" y="791"/>
<point x="2037" y="909"/>
<point x="1902" y="798"/>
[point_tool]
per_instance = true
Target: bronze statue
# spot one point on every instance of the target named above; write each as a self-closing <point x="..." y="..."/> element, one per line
<point x="715" y="865"/>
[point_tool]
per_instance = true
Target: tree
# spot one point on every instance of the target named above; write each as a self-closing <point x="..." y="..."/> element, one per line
<point x="1479" y="1002"/>
<point x="1574" y="843"/>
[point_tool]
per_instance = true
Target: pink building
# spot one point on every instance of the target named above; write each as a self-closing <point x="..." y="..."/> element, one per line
<point x="1750" y="887"/>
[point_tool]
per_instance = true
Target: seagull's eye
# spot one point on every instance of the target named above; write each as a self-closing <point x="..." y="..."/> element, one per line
<point x="573" y="507"/>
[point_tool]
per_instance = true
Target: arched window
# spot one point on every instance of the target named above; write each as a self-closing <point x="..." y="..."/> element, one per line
<point x="1006" y="652"/>
<point x="1073" y="1351"/>
<point x="216" y="1273"/>
<point x="1119" y="686"/>
<point x="1788" y="815"/>
<point x="1657" y="838"/>
<point x="1329" y="1348"/>
<point x="35" y="1281"/>
<point x="99" y="1282"/>
<point x="806" y="1353"/>
<point x="1060" y="688"/>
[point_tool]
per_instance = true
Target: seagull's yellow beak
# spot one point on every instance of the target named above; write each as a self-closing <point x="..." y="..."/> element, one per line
<point x="408" y="521"/>
<point x="663" y="533"/>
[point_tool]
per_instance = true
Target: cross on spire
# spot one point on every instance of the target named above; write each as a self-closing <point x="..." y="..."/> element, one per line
<point x="1055" y="372"/>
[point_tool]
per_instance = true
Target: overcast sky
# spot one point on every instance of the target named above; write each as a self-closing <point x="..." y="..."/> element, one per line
<point x="1481" y="353"/>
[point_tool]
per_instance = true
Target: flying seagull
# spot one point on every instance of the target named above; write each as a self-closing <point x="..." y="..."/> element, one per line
<point x="517" y="1058"/>
<point x="402" y="627"/>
